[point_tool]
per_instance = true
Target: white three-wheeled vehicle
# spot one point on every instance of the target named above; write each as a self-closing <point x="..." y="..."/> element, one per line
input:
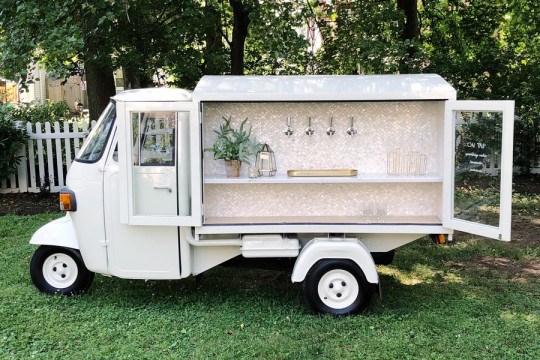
<point x="365" y="164"/>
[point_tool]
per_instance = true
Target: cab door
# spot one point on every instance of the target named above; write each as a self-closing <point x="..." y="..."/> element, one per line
<point x="151" y="188"/>
<point x="159" y="164"/>
<point x="477" y="184"/>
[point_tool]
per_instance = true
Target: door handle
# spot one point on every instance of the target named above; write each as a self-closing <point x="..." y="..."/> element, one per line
<point x="163" y="187"/>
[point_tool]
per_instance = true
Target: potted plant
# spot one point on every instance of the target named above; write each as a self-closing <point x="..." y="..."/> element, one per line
<point x="234" y="146"/>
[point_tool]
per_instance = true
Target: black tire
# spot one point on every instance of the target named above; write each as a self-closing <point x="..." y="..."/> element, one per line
<point x="58" y="270"/>
<point x="337" y="287"/>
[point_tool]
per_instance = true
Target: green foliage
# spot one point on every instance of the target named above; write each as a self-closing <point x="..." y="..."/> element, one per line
<point x="233" y="144"/>
<point x="527" y="143"/>
<point x="461" y="41"/>
<point x="274" y="46"/>
<point x="361" y="37"/>
<point x="140" y="36"/>
<point x="11" y="140"/>
<point x="36" y="112"/>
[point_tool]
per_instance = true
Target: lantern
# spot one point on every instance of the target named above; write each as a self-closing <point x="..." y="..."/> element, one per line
<point x="266" y="161"/>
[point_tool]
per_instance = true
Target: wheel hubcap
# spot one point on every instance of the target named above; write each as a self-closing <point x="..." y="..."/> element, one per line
<point x="338" y="289"/>
<point x="60" y="270"/>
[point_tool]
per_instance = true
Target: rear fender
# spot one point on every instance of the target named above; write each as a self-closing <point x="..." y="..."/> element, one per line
<point x="323" y="248"/>
<point x="59" y="232"/>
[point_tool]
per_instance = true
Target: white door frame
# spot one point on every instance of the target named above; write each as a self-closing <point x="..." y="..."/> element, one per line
<point x="501" y="232"/>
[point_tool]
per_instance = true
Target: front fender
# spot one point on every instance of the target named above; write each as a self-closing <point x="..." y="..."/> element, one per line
<point x="323" y="248"/>
<point x="59" y="232"/>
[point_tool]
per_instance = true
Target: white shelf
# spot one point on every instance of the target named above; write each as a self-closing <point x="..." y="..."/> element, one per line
<point x="296" y="220"/>
<point x="361" y="178"/>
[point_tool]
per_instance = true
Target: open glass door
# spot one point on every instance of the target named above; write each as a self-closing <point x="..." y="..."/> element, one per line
<point x="478" y="169"/>
<point x="159" y="176"/>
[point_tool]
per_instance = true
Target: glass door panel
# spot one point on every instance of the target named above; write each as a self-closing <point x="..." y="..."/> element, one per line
<point x="478" y="190"/>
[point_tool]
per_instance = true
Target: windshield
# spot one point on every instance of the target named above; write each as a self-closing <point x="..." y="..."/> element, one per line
<point x="95" y="143"/>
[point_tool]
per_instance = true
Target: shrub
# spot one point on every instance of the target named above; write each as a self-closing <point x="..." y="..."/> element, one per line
<point x="11" y="140"/>
<point x="47" y="112"/>
<point x="527" y="143"/>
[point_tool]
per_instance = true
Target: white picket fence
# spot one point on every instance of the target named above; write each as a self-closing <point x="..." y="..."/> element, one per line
<point x="47" y="156"/>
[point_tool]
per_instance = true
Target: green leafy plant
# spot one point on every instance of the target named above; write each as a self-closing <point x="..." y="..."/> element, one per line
<point x="11" y="140"/>
<point x="527" y="142"/>
<point x="233" y="144"/>
<point x="47" y="112"/>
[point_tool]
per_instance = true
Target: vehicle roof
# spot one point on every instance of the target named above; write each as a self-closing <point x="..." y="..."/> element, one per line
<point x="153" y="94"/>
<point x="324" y="88"/>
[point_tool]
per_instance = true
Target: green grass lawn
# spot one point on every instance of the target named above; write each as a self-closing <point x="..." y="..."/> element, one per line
<point x="476" y="299"/>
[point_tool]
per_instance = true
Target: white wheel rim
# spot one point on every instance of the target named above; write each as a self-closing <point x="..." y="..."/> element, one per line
<point x="338" y="289"/>
<point x="60" y="270"/>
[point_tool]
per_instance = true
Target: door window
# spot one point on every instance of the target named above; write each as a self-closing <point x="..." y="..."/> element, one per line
<point x="153" y="139"/>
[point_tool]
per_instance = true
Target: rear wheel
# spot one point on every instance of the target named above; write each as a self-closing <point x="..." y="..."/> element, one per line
<point x="58" y="270"/>
<point x="337" y="287"/>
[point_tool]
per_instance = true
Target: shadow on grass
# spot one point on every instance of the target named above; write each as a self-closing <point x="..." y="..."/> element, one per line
<point x="219" y="289"/>
<point x="419" y="281"/>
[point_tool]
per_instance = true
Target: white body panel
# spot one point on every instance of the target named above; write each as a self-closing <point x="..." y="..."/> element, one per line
<point x="86" y="181"/>
<point x="137" y="252"/>
<point x="59" y="232"/>
<point x="154" y="191"/>
<point x="319" y="249"/>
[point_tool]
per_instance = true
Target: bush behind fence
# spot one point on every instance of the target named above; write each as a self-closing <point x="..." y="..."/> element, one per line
<point x="47" y="156"/>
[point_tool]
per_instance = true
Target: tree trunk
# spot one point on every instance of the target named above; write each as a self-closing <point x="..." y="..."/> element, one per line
<point x="99" y="87"/>
<point x="135" y="79"/>
<point x="131" y="80"/>
<point x="214" y="49"/>
<point x="411" y="29"/>
<point x="240" y="32"/>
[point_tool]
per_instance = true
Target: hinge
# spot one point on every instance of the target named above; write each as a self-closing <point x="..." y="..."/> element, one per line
<point x="202" y="213"/>
<point x="105" y="243"/>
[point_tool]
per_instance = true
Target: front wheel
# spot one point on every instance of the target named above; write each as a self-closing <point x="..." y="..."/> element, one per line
<point x="57" y="270"/>
<point x="337" y="287"/>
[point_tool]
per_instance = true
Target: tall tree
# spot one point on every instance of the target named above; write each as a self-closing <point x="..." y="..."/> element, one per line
<point x="92" y="38"/>
<point x="59" y="36"/>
